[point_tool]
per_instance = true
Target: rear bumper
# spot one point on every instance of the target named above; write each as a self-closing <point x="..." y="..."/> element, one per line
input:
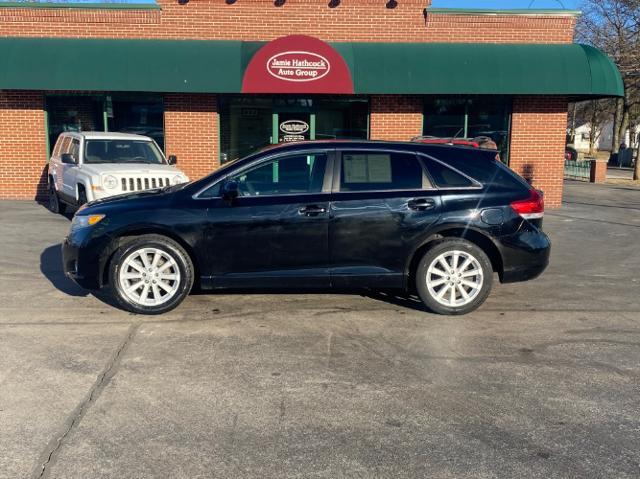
<point x="525" y="254"/>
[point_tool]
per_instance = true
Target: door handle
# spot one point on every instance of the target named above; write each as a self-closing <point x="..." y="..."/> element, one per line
<point x="312" y="210"/>
<point x="421" y="204"/>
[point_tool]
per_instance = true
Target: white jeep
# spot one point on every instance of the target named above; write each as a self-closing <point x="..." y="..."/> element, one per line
<point x="88" y="166"/>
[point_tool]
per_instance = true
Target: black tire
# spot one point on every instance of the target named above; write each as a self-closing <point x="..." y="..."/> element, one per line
<point x="82" y="197"/>
<point x="55" y="205"/>
<point x="169" y="247"/>
<point x="429" y="295"/>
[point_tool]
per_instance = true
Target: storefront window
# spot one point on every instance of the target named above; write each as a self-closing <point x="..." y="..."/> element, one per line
<point x="469" y="118"/>
<point x="140" y="114"/>
<point x="248" y="123"/>
<point x="73" y="113"/>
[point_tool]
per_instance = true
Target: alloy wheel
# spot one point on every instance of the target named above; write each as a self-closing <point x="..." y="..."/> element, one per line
<point x="454" y="278"/>
<point x="149" y="277"/>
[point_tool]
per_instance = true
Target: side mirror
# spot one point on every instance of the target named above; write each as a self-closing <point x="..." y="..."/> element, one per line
<point x="67" y="159"/>
<point x="173" y="159"/>
<point x="230" y="191"/>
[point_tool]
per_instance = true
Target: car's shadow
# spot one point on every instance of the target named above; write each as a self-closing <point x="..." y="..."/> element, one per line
<point x="51" y="268"/>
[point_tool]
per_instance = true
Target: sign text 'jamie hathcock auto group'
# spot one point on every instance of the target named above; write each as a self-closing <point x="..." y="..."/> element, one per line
<point x="298" y="66"/>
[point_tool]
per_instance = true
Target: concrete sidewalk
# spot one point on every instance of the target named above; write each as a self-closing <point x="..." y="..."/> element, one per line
<point x="542" y="381"/>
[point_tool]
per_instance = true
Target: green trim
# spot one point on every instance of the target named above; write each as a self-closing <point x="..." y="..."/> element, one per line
<point x="46" y="129"/>
<point x="105" y="116"/>
<point x="312" y="126"/>
<point x="275" y="133"/>
<point x="489" y="11"/>
<point x="87" y="6"/>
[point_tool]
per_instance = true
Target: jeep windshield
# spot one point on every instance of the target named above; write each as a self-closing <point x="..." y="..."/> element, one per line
<point x="122" y="151"/>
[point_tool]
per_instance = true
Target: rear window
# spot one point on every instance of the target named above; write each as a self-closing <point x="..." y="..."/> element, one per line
<point x="482" y="167"/>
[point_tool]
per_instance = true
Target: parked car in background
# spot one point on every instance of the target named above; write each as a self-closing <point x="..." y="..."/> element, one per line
<point x="435" y="140"/>
<point x="435" y="219"/>
<point x="87" y="166"/>
<point x="570" y="153"/>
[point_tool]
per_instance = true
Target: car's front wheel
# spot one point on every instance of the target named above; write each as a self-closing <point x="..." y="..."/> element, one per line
<point x="151" y="274"/>
<point x="454" y="277"/>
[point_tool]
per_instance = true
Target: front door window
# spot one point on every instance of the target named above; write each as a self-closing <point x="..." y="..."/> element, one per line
<point x="295" y="174"/>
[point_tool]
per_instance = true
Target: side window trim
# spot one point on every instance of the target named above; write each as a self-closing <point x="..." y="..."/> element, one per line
<point x="476" y="184"/>
<point x="427" y="181"/>
<point x="329" y="154"/>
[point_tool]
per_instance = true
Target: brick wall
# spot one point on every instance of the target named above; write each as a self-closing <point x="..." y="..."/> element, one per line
<point x="352" y="20"/>
<point x="538" y="131"/>
<point x="191" y="132"/>
<point x="22" y="145"/>
<point x="395" y="117"/>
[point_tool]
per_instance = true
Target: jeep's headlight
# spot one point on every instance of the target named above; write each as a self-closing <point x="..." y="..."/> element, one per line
<point x="83" y="221"/>
<point x="110" y="182"/>
<point x="176" y="180"/>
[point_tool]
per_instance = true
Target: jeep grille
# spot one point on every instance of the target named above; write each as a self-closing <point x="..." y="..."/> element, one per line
<point x="139" y="184"/>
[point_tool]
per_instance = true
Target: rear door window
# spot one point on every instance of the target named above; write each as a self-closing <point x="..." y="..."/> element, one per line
<point x="379" y="171"/>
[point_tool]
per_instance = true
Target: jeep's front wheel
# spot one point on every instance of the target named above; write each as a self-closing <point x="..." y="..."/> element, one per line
<point x="150" y="275"/>
<point x="454" y="277"/>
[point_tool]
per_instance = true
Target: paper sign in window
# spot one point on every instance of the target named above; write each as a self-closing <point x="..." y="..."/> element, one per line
<point x="379" y="167"/>
<point x="355" y="169"/>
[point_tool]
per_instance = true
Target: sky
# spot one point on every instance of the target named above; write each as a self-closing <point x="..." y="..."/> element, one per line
<point x="507" y="4"/>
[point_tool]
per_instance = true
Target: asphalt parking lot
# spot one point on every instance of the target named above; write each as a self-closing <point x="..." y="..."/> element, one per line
<point x="542" y="381"/>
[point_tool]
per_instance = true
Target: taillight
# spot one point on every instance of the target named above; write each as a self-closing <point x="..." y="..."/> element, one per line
<point x="532" y="207"/>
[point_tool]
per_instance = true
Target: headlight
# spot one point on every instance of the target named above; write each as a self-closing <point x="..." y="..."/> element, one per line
<point x="83" y="221"/>
<point x="176" y="180"/>
<point x="110" y="182"/>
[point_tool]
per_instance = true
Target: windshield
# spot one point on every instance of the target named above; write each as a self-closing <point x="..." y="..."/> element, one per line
<point x="122" y="151"/>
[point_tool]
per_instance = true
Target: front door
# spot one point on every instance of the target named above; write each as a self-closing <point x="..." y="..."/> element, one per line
<point x="276" y="232"/>
<point x="382" y="205"/>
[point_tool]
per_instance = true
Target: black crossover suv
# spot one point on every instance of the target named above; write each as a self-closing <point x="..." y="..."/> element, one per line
<point x="437" y="220"/>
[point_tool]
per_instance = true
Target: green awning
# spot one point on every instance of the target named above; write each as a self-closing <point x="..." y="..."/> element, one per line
<point x="192" y="66"/>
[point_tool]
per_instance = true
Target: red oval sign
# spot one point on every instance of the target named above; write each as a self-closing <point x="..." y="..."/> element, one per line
<point x="298" y="66"/>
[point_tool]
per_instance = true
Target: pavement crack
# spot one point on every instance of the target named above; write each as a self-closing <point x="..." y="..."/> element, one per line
<point x="47" y="458"/>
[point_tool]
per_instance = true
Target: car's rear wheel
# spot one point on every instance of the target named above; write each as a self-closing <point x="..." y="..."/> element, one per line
<point x="454" y="277"/>
<point x="55" y="205"/>
<point x="151" y="274"/>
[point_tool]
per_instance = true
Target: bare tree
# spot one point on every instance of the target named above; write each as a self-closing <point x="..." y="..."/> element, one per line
<point x="614" y="27"/>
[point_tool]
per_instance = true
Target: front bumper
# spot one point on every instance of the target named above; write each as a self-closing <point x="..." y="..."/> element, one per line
<point x="84" y="259"/>
<point x="525" y="254"/>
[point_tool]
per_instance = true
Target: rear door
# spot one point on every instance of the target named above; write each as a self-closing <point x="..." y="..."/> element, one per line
<point x="382" y="206"/>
